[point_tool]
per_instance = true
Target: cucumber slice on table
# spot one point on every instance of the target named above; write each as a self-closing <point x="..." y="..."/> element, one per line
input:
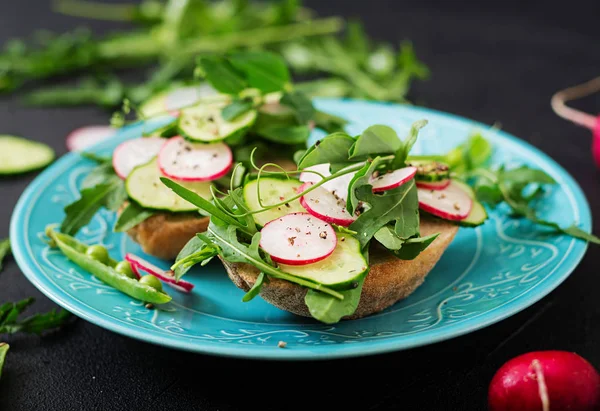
<point x="478" y="215"/>
<point x="341" y="270"/>
<point x="204" y="122"/>
<point x="19" y="155"/>
<point x="272" y="191"/>
<point x="145" y="188"/>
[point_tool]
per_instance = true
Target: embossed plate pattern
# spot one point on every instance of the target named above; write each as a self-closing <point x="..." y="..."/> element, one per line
<point x="487" y="274"/>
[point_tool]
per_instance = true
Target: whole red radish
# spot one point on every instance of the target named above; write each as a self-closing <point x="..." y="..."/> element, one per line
<point x="545" y="381"/>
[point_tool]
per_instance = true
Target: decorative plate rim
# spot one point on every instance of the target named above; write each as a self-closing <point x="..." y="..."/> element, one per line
<point x="374" y="346"/>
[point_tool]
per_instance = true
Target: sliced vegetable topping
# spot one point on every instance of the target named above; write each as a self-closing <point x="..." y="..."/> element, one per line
<point x="139" y="264"/>
<point x="341" y="270"/>
<point x="438" y="185"/>
<point x="430" y="171"/>
<point x="185" y="161"/>
<point x="326" y="206"/>
<point x="205" y="123"/>
<point x="393" y="179"/>
<point x="84" y="137"/>
<point x="187" y="96"/>
<point x="452" y="203"/>
<point x="337" y="186"/>
<point x="272" y="191"/>
<point x="19" y="155"/>
<point x="136" y="152"/>
<point x="145" y="188"/>
<point x="298" y="239"/>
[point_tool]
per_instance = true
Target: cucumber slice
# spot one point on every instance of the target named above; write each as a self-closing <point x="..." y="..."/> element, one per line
<point x="430" y="171"/>
<point x="178" y="97"/>
<point x="19" y="155"/>
<point x="204" y="123"/>
<point x="145" y="188"/>
<point x="341" y="270"/>
<point x="272" y="191"/>
<point x="478" y="215"/>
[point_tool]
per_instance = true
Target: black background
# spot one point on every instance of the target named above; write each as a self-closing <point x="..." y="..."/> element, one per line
<point x="491" y="61"/>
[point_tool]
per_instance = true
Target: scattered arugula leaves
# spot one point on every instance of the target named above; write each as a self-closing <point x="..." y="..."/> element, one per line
<point x="35" y="324"/>
<point x="131" y="216"/>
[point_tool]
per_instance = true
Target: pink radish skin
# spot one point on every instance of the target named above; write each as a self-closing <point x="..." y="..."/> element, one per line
<point x="184" y="161"/>
<point x="337" y="186"/>
<point x="133" y="153"/>
<point x="136" y="272"/>
<point x="452" y="203"/>
<point x="392" y="180"/>
<point x="298" y="239"/>
<point x="324" y="205"/>
<point x="85" y="137"/>
<point x="543" y="381"/>
<point x="438" y="185"/>
<point x="167" y="277"/>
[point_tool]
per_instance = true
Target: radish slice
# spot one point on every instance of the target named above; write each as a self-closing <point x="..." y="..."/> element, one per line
<point x="84" y="137"/>
<point x="137" y="273"/>
<point x="452" y="203"/>
<point x="181" y="160"/>
<point x="298" y="239"/>
<point x="167" y="277"/>
<point x="325" y="205"/>
<point x="188" y="96"/>
<point x="438" y="185"/>
<point x="337" y="186"/>
<point x="394" y="179"/>
<point x="133" y="153"/>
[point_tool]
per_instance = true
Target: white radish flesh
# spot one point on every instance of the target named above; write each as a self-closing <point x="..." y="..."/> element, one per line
<point x="325" y="205"/>
<point x="133" y="153"/>
<point x="393" y="179"/>
<point x="452" y="203"/>
<point x="337" y="186"/>
<point x="437" y="185"/>
<point x="85" y="137"/>
<point x="181" y="160"/>
<point x="298" y="239"/>
<point x="187" y="96"/>
<point x="139" y="264"/>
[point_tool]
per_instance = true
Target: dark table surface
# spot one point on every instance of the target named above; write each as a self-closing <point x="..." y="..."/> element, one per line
<point x="491" y="61"/>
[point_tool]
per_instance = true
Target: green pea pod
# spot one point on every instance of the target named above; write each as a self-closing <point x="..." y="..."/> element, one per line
<point x="75" y="251"/>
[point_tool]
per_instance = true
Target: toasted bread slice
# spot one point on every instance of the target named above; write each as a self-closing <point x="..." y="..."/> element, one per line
<point x="163" y="235"/>
<point x="389" y="279"/>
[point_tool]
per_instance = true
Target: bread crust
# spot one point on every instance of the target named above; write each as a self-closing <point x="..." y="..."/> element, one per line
<point x="389" y="279"/>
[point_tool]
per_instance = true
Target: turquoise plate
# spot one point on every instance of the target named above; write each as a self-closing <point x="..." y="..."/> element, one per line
<point x="487" y="274"/>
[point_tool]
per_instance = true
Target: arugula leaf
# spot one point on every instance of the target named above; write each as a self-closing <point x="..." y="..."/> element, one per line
<point x="263" y="70"/>
<point x="219" y="72"/>
<point x="412" y="247"/>
<point x="255" y="290"/>
<point x="388" y="238"/>
<point x="330" y="310"/>
<point x="131" y="216"/>
<point x="525" y="175"/>
<point x="4" y="250"/>
<point x="284" y="134"/>
<point x="375" y="140"/>
<point x="236" y="109"/>
<point x="361" y="178"/>
<point x="399" y="204"/>
<point x="35" y="324"/>
<point x="329" y="122"/>
<point x="196" y="251"/>
<point x="332" y="149"/>
<point x="3" y="351"/>
<point x="81" y="212"/>
<point x="404" y="150"/>
<point x="302" y="106"/>
<point x="473" y="153"/>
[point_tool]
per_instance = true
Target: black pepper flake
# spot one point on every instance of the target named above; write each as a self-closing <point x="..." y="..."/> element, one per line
<point x="215" y="155"/>
<point x="343" y="239"/>
<point x="308" y="233"/>
<point x="323" y="235"/>
<point x="317" y="143"/>
<point x="187" y="148"/>
<point x="354" y="284"/>
<point x="291" y="240"/>
<point x="298" y="255"/>
<point x="287" y="205"/>
<point x="297" y="229"/>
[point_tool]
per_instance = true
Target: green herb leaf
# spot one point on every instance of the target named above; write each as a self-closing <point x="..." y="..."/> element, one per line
<point x="262" y="70"/>
<point x="255" y="290"/>
<point x="35" y="324"/>
<point x="285" y="134"/>
<point x="302" y="106"/>
<point x="196" y="251"/>
<point x="388" y="238"/>
<point x="332" y="149"/>
<point x="414" y="246"/>
<point x="329" y="122"/>
<point x="330" y="310"/>
<point x="4" y="250"/>
<point x="524" y="175"/>
<point x="131" y="216"/>
<point x="236" y="109"/>
<point x="400" y="203"/>
<point x="375" y="140"/>
<point x="3" y="351"/>
<point x="407" y="145"/>
<point x="222" y="75"/>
